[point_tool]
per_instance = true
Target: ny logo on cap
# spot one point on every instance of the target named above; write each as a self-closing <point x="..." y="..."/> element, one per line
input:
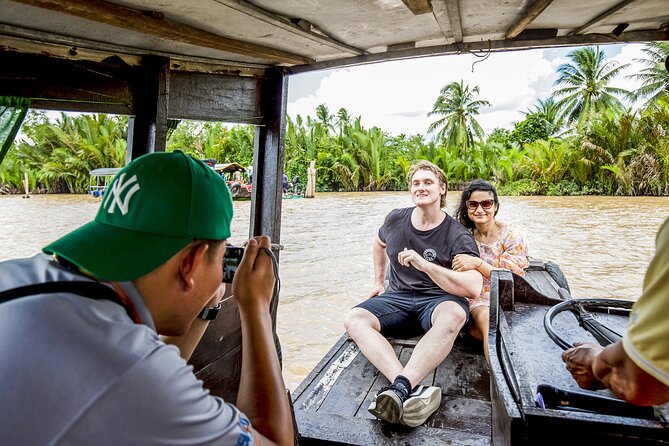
<point x="114" y="197"/>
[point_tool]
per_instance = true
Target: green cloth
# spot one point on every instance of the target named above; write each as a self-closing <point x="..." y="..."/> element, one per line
<point x="12" y="113"/>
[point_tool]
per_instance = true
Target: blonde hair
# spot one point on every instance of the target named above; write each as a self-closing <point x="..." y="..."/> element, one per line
<point x="426" y="165"/>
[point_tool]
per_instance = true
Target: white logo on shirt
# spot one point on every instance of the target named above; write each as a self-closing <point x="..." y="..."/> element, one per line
<point x="429" y="254"/>
<point x="114" y="196"/>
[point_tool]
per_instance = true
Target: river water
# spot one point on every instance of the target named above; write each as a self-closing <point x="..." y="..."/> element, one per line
<point x="603" y="244"/>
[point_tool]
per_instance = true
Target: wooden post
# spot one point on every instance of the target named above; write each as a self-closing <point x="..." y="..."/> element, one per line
<point x="26" y="184"/>
<point x="148" y="128"/>
<point x="310" y="192"/>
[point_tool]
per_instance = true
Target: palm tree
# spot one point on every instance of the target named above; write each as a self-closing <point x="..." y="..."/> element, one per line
<point x="587" y="88"/>
<point x="325" y="119"/>
<point x="458" y="106"/>
<point x="549" y="111"/>
<point x="654" y="77"/>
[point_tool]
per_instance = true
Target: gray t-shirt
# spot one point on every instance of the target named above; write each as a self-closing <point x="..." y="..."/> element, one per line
<point x="438" y="245"/>
<point x="79" y="371"/>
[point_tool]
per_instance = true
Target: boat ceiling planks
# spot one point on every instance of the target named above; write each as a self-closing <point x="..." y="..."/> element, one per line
<point x="315" y="35"/>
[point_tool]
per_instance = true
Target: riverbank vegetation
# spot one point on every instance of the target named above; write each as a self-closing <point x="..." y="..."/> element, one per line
<point x="584" y="139"/>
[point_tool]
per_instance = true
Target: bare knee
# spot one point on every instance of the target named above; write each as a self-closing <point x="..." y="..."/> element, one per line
<point x="358" y="320"/>
<point x="449" y="316"/>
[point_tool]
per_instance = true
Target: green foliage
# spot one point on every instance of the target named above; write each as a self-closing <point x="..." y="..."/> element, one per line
<point x="525" y="186"/>
<point x="458" y="108"/>
<point x="585" y="85"/>
<point x="600" y="148"/>
<point x="532" y="128"/>
<point x="222" y="142"/>
<point x="60" y="155"/>
<point x="654" y="76"/>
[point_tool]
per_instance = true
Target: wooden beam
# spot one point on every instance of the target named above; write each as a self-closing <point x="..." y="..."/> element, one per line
<point x="120" y="16"/>
<point x="531" y="13"/>
<point x="275" y="20"/>
<point x="268" y="161"/>
<point x="269" y="157"/>
<point x="67" y="85"/>
<point x="151" y="96"/>
<point x="215" y="97"/>
<point x="418" y="7"/>
<point x="488" y="45"/>
<point x="447" y="14"/>
<point x="623" y="5"/>
<point x="59" y="45"/>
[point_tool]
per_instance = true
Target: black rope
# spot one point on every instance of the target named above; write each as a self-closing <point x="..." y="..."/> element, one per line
<point x="577" y="306"/>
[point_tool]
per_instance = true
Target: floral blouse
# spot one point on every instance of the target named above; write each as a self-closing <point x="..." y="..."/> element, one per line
<point x="508" y="252"/>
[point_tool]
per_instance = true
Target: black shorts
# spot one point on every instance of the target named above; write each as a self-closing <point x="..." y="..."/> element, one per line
<point x="407" y="314"/>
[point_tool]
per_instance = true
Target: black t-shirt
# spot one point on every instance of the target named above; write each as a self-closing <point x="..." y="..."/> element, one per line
<point x="438" y="245"/>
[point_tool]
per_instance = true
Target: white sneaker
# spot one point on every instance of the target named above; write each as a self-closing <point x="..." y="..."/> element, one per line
<point x="422" y="403"/>
<point x="387" y="405"/>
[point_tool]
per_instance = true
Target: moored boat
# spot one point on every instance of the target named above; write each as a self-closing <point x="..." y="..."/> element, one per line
<point x="100" y="179"/>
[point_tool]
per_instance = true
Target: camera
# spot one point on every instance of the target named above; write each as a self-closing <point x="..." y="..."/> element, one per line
<point x="233" y="255"/>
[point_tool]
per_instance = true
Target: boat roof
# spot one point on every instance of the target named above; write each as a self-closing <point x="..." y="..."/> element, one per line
<point x="229" y="167"/>
<point x="105" y="171"/>
<point x="243" y="36"/>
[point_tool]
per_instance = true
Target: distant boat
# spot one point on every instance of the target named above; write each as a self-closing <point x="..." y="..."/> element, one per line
<point x="239" y="187"/>
<point x="100" y="179"/>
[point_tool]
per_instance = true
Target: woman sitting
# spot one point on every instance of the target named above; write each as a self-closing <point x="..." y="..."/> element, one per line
<point x="501" y="246"/>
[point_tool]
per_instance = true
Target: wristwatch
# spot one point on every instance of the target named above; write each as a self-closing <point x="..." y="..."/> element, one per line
<point x="210" y="313"/>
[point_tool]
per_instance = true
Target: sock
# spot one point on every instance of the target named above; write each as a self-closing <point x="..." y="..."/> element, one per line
<point x="404" y="382"/>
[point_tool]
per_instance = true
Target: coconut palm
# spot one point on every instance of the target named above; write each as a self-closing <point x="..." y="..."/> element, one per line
<point x="654" y="77"/>
<point x="325" y="119"/>
<point x="586" y="85"/>
<point x="458" y="106"/>
<point x="549" y="111"/>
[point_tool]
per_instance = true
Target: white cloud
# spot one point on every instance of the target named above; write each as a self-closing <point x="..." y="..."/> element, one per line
<point x="397" y="96"/>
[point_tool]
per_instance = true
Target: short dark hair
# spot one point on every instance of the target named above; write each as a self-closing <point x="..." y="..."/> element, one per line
<point x="430" y="167"/>
<point x="475" y="185"/>
<point x="213" y="247"/>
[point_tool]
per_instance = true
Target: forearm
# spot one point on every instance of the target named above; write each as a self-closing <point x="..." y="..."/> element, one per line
<point x="187" y="342"/>
<point x="460" y="283"/>
<point x="262" y="395"/>
<point x="380" y="261"/>
<point x="484" y="268"/>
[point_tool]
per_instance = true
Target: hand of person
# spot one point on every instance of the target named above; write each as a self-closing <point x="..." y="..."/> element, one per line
<point x="378" y="289"/>
<point x="579" y="360"/>
<point x="254" y="279"/>
<point x="409" y="257"/>
<point x="465" y="262"/>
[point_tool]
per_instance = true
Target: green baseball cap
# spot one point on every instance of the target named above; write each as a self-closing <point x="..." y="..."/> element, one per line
<point x="154" y="207"/>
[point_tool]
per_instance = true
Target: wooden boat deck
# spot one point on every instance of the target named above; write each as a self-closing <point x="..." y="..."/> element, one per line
<point x="331" y="403"/>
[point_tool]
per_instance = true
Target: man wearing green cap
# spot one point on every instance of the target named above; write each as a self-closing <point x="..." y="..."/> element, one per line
<point x="82" y="362"/>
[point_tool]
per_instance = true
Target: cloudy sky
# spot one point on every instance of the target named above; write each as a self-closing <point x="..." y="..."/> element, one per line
<point x="397" y="96"/>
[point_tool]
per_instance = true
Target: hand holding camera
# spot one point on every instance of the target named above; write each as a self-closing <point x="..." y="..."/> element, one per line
<point x="254" y="278"/>
<point x="233" y="256"/>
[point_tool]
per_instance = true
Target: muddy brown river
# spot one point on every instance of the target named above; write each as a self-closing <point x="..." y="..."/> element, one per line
<point x="603" y="244"/>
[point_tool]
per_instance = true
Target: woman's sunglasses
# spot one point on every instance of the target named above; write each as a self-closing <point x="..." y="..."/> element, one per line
<point x="485" y="204"/>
